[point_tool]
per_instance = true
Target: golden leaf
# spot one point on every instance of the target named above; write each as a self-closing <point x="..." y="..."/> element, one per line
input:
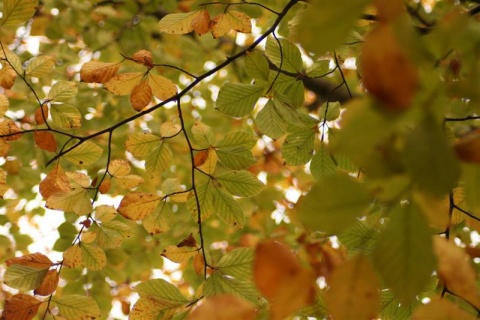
<point x="141" y="95"/>
<point x="7" y="76"/>
<point x="224" y="307"/>
<point x="119" y="167"/>
<point x="201" y="22"/>
<point x="8" y="127"/>
<point x="162" y="87"/>
<point x="137" y="205"/>
<point x="3" y="105"/>
<point x="96" y="71"/>
<point x="73" y="257"/>
<point x="179" y="255"/>
<point x="55" y="181"/>
<point x="225" y="22"/>
<point x="3" y="182"/>
<point x="49" y="284"/>
<point x="123" y="83"/>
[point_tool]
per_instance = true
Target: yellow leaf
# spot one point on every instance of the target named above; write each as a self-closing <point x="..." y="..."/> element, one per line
<point x="105" y="213"/>
<point x="94" y="258"/>
<point x="201" y="22"/>
<point x="34" y="260"/>
<point x="7" y="76"/>
<point x="85" y="154"/>
<point x="169" y="128"/>
<point x="179" y="254"/>
<point x="45" y="140"/>
<point x="123" y="83"/>
<point x="441" y="309"/>
<point x="141" y="144"/>
<point x="4" y="147"/>
<point x="224" y="307"/>
<point x="78" y="179"/>
<point x="3" y="182"/>
<point x="20" y="307"/>
<point x="49" y="284"/>
<point x="225" y="22"/>
<point x="73" y="257"/>
<point x="56" y="181"/>
<point x="16" y="12"/>
<point x="137" y="205"/>
<point x="76" y="200"/>
<point x="88" y="236"/>
<point x="129" y="181"/>
<point x="162" y="87"/>
<point x="3" y="105"/>
<point x="40" y="66"/>
<point x="143" y="57"/>
<point x="455" y="268"/>
<point x="10" y="130"/>
<point x="96" y="71"/>
<point x="206" y="160"/>
<point x="141" y="96"/>
<point x="178" y="23"/>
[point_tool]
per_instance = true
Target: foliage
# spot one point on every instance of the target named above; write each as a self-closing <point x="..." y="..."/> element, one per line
<point x="180" y="132"/>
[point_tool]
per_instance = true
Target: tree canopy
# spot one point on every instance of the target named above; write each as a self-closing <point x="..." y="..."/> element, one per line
<point x="240" y="159"/>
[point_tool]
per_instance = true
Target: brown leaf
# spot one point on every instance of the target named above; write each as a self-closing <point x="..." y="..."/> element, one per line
<point x="49" y="284"/>
<point x="200" y="158"/>
<point x="20" y="307"/>
<point x="4" y="147"/>
<point x="100" y="72"/>
<point x="141" y="96"/>
<point x="56" y="181"/>
<point x="34" y="260"/>
<point x="467" y="147"/>
<point x="188" y="242"/>
<point x="201" y="22"/>
<point x="9" y="127"/>
<point x="7" y="76"/>
<point x="41" y="114"/>
<point x="137" y="205"/>
<point x="105" y="185"/>
<point x="143" y="57"/>
<point x="45" y="140"/>
<point x="388" y="10"/>
<point x="281" y="279"/>
<point x="224" y="307"/>
<point x="388" y="74"/>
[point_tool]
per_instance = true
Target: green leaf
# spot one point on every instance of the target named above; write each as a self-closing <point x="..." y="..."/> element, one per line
<point x="334" y="203"/>
<point x="162" y="291"/>
<point x="205" y="193"/>
<point x="65" y="116"/>
<point x="291" y="89"/>
<point x="404" y="242"/>
<point x="256" y="65"/>
<point x="236" y="139"/>
<point x="77" y="307"/>
<point x="218" y="284"/>
<point x="110" y="234"/>
<point x="23" y="277"/>
<point x="203" y="135"/>
<point x="359" y="238"/>
<point x="236" y="157"/>
<point x="329" y="111"/>
<point x="62" y="91"/>
<point x="16" y="12"/>
<point x="141" y="144"/>
<point x="270" y="121"/>
<point x="284" y="54"/>
<point x="237" y="263"/>
<point x="322" y="164"/>
<point x="94" y="258"/>
<point x="228" y="209"/>
<point x="392" y="309"/>
<point x="160" y="220"/>
<point x="434" y="169"/>
<point x="330" y="21"/>
<point x="472" y="187"/>
<point x="319" y="68"/>
<point x="238" y="99"/>
<point x="158" y="160"/>
<point x="297" y="149"/>
<point x="40" y="66"/>
<point x="177" y="23"/>
<point x="77" y="200"/>
<point x="290" y="114"/>
<point x="85" y="154"/>
<point x="240" y="183"/>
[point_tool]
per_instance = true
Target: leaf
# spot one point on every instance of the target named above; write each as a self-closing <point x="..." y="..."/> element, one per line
<point x="162" y="87"/>
<point x="237" y="263"/>
<point x="359" y="238"/>
<point x="73" y="257"/>
<point x="169" y="129"/>
<point x="354" y="290"/>
<point x="105" y="213"/>
<point x="240" y="183"/>
<point x="284" y="54"/>
<point x="77" y="307"/>
<point x="224" y="307"/>
<point x="178" y="23"/>
<point x="65" y="116"/>
<point x="97" y="71"/>
<point x="141" y="96"/>
<point x="62" y="91"/>
<point x="160" y="220"/>
<point x="203" y="134"/>
<point x="141" y="144"/>
<point x="24" y="277"/>
<point x="119" y="167"/>
<point x="224" y="22"/>
<point x="404" y="241"/>
<point x="228" y="209"/>
<point x="3" y="105"/>
<point x="256" y="65"/>
<point x="143" y="57"/>
<point x="205" y="194"/>
<point x="3" y="183"/>
<point x="7" y="76"/>
<point x="85" y="154"/>
<point x="93" y="258"/>
<point x="281" y="279"/>
<point x="17" y="12"/>
<point x="162" y="291"/>
<point x="322" y="19"/>
<point x="45" y="140"/>
<point x="238" y="99"/>
<point x="322" y="164"/>
<point x="334" y="203"/>
<point x="319" y="68"/>
<point x="76" y="200"/>
<point x="298" y="147"/>
<point x="21" y="307"/>
<point x="110" y="234"/>
<point x="9" y="128"/>
<point x="206" y="160"/>
<point x="236" y="157"/>
<point x="123" y="83"/>
<point x="201" y="22"/>
<point x="472" y="187"/>
<point x="129" y="181"/>
<point x="455" y="269"/>
<point x="137" y="205"/>
<point x="150" y="308"/>
<point x="179" y="254"/>
<point x="34" y="260"/>
<point x="40" y="66"/>
<point x="441" y="309"/>
<point x="158" y="160"/>
<point x="41" y="114"/>
<point x="237" y="139"/>
<point x="270" y="121"/>
<point x="217" y="284"/>
<point x="49" y="284"/>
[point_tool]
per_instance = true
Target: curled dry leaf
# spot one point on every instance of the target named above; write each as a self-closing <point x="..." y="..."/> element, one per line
<point x="141" y="96"/>
<point x="100" y="72"/>
<point x="45" y="140"/>
<point x="388" y="74"/>
<point x="224" y="307"/>
<point x="143" y="57"/>
<point x="201" y="22"/>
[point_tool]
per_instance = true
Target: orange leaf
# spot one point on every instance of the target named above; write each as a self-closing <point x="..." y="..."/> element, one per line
<point x="137" y="205"/>
<point x="280" y="277"/>
<point x="4" y="147"/>
<point x="123" y="83"/>
<point x="9" y="127"/>
<point x="201" y="22"/>
<point x="198" y="263"/>
<point x="45" y="140"/>
<point x="141" y="95"/>
<point x="388" y="73"/>
<point x="56" y="181"/>
<point x="21" y="307"/>
<point x="49" y="284"/>
<point x="96" y="71"/>
<point x="7" y="76"/>
<point x="143" y="57"/>
<point x="200" y="158"/>
<point x="105" y="186"/>
<point x="34" y="260"/>
<point x="224" y="307"/>
<point x="41" y="114"/>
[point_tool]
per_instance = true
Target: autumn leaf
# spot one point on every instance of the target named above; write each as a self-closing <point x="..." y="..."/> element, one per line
<point x="34" y="260"/>
<point x="178" y="23"/>
<point x="162" y="88"/>
<point x="10" y="130"/>
<point x="49" y="284"/>
<point x="179" y="254"/>
<point x="73" y="257"/>
<point x="201" y="22"/>
<point x="141" y="95"/>
<point x="138" y="205"/>
<point x="224" y="307"/>
<point x="40" y="66"/>
<point x="3" y="104"/>
<point x="45" y="140"/>
<point x="21" y="307"/>
<point x="41" y="114"/>
<point x="16" y="12"/>
<point x="97" y="71"/>
<point x="56" y="181"/>
<point x="225" y="22"/>
<point x="123" y="83"/>
<point x="143" y="57"/>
